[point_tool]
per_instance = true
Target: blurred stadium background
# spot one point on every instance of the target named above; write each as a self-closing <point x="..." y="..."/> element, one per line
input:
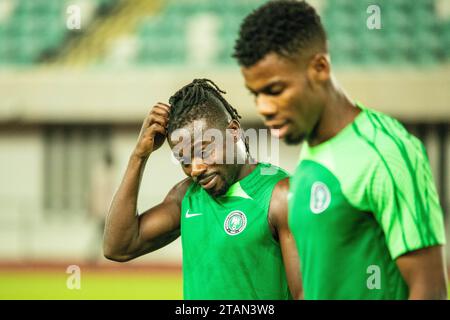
<point x="72" y="102"/>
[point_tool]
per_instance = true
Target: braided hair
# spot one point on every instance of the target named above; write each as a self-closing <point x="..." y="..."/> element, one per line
<point x="201" y="98"/>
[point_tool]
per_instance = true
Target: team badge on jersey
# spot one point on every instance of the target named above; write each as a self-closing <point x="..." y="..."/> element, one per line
<point x="235" y="222"/>
<point x="320" y="197"/>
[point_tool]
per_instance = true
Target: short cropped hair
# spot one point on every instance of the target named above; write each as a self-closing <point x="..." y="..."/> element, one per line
<point x="283" y="27"/>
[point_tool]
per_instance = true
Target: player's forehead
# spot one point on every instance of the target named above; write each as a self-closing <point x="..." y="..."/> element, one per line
<point x="271" y="68"/>
<point x="196" y="133"/>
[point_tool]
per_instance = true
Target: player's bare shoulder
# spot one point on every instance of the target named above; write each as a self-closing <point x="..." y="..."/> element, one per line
<point x="278" y="208"/>
<point x="278" y="202"/>
<point x="281" y="188"/>
<point x="178" y="191"/>
<point x="169" y="209"/>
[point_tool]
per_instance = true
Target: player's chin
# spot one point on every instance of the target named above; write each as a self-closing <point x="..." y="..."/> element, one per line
<point x="219" y="189"/>
<point x="292" y="138"/>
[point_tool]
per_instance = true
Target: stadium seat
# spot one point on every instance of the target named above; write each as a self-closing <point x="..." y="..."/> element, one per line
<point x="410" y="31"/>
<point x="34" y="27"/>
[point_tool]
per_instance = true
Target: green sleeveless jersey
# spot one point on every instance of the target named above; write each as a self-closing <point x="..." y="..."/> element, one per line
<point x="228" y="248"/>
<point x="359" y="201"/>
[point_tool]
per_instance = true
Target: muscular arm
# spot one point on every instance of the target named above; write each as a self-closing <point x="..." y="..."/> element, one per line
<point x="128" y="234"/>
<point x="424" y="272"/>
<point x="278" y="213"/>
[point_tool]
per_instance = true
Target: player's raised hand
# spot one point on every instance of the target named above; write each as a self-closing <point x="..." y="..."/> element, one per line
<point x="153" y="131"/>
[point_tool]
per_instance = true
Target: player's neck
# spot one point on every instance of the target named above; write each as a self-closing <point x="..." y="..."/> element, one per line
<point x="338" y="112"/>
<point x="245" y="170"/>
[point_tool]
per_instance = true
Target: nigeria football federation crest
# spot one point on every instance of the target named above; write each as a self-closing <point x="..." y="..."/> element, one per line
<point x="235" y="223"/>
<point x="320" y="197"/>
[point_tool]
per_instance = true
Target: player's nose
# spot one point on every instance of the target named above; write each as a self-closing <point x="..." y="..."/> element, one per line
<point x="265" y="106"/>
<point x="198" y="167"/>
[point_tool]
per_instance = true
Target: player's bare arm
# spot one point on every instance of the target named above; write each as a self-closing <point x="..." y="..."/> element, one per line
<point x="128" y="234"/>
<point x="424" y="273"/>
<point x="278" y="220"/>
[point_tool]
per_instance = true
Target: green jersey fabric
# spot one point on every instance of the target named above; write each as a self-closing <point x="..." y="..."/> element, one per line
<point x="228" y="248"/>
<point x="359" y="201"/>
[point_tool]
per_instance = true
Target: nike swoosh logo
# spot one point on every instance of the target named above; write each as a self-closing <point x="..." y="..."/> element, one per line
<point x="190" y="215"/>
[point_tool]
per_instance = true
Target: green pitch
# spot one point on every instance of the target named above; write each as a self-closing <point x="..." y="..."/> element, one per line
<point x="94" y="285"/>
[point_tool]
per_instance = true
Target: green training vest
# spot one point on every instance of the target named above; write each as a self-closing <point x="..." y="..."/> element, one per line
<point x="228" y="249"/>
<point x="359" y="201"/>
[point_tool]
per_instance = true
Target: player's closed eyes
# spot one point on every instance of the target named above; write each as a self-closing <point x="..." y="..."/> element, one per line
<point x="274" y="91"/>
<point x="207" y="153"/>
<point x="183" y="160"/>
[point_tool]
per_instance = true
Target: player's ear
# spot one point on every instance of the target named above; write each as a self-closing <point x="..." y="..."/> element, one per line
<point x="234" y="128"/>
<point x="319" y="68"/>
